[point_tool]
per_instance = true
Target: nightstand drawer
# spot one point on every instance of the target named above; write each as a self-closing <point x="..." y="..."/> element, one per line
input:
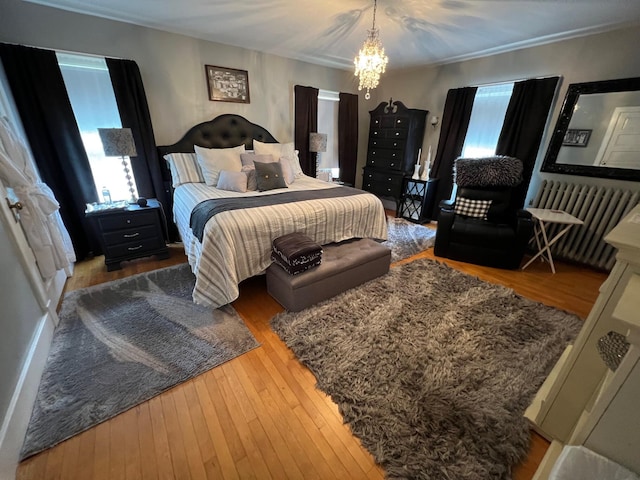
<point x="134" y="248"/>
<point x="127" y="220"/>
<point x="130" y="234"/>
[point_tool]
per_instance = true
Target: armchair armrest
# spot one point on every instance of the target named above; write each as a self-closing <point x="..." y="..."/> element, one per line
<point x="524" y="226"/>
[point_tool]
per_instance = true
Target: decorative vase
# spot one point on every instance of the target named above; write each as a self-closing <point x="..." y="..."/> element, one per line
<point x="416" y="172"/>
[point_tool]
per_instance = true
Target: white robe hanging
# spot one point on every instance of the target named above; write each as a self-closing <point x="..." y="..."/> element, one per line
<point x="40" y="218"/>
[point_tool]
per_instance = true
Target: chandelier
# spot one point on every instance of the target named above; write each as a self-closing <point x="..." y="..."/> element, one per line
<point x="371" y="60"/>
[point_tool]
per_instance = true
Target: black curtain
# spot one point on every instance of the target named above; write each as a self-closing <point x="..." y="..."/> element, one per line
<point x="523" y="127"/>
<point x="306" y="121"/>
<point x="134" y="114"/>
<point x="41" y="98"/>
<point x="455" y="122"/>
<point x="348" y="137"/>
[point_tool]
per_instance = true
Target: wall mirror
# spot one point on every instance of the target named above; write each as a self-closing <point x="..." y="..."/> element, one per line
<point x="598" y="131"/>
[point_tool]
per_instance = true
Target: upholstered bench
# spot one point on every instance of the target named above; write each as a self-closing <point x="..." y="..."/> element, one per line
<point x="344" y="265"/>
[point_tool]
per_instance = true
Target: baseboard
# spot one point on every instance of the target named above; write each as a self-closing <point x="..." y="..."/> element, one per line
<point x="18" y="414"/>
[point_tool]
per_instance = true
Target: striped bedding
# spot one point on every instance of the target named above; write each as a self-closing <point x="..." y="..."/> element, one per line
<point x="237" y="244"/>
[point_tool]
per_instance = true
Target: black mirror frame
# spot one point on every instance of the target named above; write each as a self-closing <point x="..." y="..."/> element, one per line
<point x="573" y="94"/>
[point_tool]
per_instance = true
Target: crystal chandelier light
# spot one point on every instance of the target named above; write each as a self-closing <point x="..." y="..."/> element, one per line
<point x="371" y="60"/>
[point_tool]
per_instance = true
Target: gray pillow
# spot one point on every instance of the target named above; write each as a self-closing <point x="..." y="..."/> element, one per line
<point x="232" y="181"/>
<point x="249" y="158"/>
<point x="269" y="176"/>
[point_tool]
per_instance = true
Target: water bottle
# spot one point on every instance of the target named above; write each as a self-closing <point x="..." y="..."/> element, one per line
<point x="106" y="195"/>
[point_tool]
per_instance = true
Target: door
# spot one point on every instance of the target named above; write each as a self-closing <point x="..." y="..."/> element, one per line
<point x="621" y="145"/>
<point x="27" y="324"/>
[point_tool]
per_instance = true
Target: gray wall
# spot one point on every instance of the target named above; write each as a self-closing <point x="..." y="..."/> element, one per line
<point x="172" y="67"/>
<point x="603" y="56"/>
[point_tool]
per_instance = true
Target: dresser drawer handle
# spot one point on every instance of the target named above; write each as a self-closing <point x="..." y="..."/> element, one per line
<point x="133" y="235"/>
<point x="128" y="221"/>
<point x="392" y="164"/>
<point x="389" y="179"/>
<point x="131" y="249"/>
<point x="388" y="189"/>
<point x="397" y="133"/>
<point x="372" y="162"/>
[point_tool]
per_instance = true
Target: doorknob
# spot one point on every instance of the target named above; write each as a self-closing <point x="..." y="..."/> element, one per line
<point x="16" y="206"/>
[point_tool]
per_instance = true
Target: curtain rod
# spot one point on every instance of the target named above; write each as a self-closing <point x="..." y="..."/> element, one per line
<point x="488" y="84"/>
<point x="72" y="52"/>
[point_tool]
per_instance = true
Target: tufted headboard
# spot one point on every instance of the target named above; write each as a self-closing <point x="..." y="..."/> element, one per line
<point x="224" y="131"/>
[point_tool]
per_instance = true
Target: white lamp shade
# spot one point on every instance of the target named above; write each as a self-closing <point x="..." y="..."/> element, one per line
<point x="117" y="142"/>
<point x="317" y="142"/>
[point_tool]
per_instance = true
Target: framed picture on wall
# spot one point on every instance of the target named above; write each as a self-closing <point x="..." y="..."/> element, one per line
<point x="227" y="84"/>
<point x="576" y="138"/>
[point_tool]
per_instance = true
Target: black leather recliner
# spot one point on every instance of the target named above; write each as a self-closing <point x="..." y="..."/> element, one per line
<point x="496" y="237"/>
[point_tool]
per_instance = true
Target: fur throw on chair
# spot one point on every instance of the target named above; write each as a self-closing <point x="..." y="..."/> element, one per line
<point x="498" y="171"/>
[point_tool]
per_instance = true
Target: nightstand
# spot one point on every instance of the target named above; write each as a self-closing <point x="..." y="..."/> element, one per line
<point x="130" y="232"/>
<point x="416" y="201"/>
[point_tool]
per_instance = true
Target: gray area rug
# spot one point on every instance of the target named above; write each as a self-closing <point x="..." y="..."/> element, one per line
<point x="432" y="368"/>
<point x="123" y="342"/>
<point x="406" y="239"/>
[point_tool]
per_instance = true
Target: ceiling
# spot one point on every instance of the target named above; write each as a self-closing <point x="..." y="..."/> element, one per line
<point x="330" y="32"/>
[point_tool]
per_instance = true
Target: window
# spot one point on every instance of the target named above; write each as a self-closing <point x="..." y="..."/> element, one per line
<point x="487" y="117"/>
<point x="89" y="88"/>
<point x="328" y="123"/>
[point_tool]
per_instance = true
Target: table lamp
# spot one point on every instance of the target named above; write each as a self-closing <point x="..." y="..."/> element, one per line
<point x="118" y="142"/>
<point x="317" y="145"/>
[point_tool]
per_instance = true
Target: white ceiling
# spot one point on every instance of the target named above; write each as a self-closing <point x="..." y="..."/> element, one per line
<point x="330" y="32"/>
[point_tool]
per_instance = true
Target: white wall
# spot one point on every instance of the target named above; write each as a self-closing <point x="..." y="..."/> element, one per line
<point x="603" y="56"/>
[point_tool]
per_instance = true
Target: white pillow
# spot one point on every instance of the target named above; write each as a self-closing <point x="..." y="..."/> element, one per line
<point x="184" y="168"/>
<point x="232" y="181"/>
<point x="287" y="171"/>
<point x="280" y="150"/>
<point x="213" y="160"/>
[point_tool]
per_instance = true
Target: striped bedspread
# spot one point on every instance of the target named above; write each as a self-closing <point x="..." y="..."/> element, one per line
<point x="237" y="244"/>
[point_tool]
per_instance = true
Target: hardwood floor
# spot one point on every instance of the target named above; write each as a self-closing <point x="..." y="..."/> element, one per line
<point x="259" y="415"/>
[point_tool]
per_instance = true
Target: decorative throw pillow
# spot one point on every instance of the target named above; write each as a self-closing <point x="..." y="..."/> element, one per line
<point x="269" y="176"/>
<point x="232" y="181"/>
<point x="472" y="208"/>
<point x="249" y="158"/>
<point x="213" y="160"/>
<point x="250" y="171"/>
<point x="287" y="171"/>
<point x="184" y="168"/>
<point x="280" y="150"/>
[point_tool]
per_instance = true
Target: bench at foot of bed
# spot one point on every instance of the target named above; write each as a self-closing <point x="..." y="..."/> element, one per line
<point x="344" y="265"/>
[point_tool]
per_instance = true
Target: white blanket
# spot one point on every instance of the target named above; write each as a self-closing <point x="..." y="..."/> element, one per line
<point x="237" y="244"/>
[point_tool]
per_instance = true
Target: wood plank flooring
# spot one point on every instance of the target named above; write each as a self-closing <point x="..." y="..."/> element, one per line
<point x="259" y="415"/>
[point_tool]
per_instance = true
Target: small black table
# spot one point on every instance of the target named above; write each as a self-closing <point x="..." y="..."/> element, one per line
<point x="416" y="201"/>
<point x="130" y="232"/>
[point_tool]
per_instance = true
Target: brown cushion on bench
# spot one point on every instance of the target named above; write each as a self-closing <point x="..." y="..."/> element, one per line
<point x="296" y="249"/>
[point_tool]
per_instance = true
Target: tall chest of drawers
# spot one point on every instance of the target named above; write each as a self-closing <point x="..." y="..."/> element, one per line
<point x="395" y="137"/>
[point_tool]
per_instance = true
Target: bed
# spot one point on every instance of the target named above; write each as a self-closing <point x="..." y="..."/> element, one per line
<point x="236" y="244"/>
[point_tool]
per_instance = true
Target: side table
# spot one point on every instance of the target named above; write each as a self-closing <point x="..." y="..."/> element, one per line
<point x="416" y="201"/>
<point x="543" y="217"/>
<point x="130" y="232"/>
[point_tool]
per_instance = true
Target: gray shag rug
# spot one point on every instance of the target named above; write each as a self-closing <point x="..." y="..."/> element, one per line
<point x="123" y="342"/>
<point x="406" y="239"/>
<point x="432" y="368"/>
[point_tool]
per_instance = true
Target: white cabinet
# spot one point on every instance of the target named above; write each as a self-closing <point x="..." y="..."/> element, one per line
<point x="583" y="402"/>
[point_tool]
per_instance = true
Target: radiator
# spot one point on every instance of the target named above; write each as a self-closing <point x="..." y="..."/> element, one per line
<point x="600" y="208"/>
